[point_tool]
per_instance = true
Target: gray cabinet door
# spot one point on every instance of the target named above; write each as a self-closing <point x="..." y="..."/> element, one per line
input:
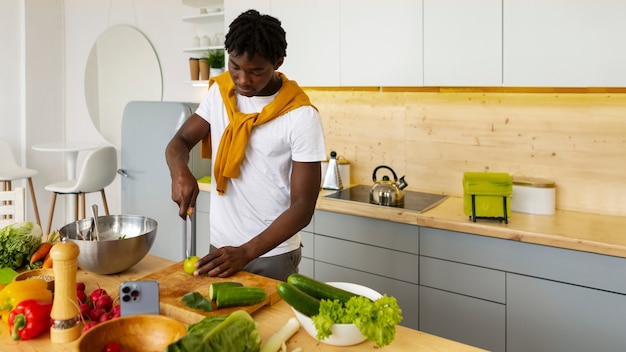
<point x="203" y="225"/>
<point x="544" y="315"/>
<point x="461" y="318"/>
<point x="406" y="293"/>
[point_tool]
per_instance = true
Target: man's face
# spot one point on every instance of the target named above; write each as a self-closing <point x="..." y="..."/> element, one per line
<point x="252" y="76"/>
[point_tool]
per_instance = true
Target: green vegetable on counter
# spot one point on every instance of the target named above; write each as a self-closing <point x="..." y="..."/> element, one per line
<point x="376" y="320"/>
<point x="17" y="243"/>
<point x="236" y="332"/>
<point x="197" y="301"/>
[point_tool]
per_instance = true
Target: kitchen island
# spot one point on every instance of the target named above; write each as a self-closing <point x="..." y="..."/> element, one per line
<point x="269" y="320"/>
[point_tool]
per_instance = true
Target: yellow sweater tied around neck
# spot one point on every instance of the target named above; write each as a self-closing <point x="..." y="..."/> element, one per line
<point x="232" y="147"/>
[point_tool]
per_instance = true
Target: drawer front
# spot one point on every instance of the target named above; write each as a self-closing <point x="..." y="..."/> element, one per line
<point x="465" y="319"/>
<point x="375" y="260"/>
<point x="387" y="234"/>
<point x="307" y="244"/>
<point x="307" y="267"/>
<point x="468" y="280"/>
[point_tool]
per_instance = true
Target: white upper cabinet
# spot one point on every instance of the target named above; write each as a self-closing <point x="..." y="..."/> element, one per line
<point x="381" y="42"/>
<point x="564" y="43"/>
<point x="462" y="43"/>
<point x="234" y="8"/>
<point x="313" y="47"/>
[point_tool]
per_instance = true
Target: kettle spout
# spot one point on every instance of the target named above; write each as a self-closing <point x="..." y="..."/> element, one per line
<point x="402" y="183"/>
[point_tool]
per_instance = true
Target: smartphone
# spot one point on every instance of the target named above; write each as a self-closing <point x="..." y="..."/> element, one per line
<point x="139" y="297"/>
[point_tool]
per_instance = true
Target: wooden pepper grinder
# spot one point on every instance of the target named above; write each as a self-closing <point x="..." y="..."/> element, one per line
<point x="65" y="313"/>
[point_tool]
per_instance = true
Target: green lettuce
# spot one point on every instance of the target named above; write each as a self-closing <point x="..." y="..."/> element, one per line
<point x="376" y="320"/>
<point x="17" y="243"/>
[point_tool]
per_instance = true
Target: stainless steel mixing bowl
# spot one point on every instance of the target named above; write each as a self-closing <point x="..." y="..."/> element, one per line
<point x="123" y="241"/>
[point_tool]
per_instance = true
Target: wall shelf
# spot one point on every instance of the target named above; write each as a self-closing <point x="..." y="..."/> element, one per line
<point x="205" y="17"/>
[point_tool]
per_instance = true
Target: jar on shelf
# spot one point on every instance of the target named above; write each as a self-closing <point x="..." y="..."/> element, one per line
<point x="205" y="41"/>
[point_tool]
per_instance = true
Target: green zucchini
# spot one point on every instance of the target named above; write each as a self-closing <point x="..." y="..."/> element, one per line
<point x="298" y="299"/>
<point x="240" y="296"/>
<point x="216" y="286"/>
<point x="318" y="289"/>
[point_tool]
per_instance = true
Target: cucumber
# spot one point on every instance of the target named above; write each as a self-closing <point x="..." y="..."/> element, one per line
<point x="298" y="299"/>
<point x="318" y="289"/>
<point x="240" y="296"/>
<point x="216" y="286"/>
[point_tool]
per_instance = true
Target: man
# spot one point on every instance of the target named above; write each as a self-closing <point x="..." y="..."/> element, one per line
<point x="266" y="143"/>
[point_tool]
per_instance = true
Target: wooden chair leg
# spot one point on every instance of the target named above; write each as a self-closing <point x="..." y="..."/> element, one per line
<point x="34" y="199"/>
<point x="104" y="202"/>
<point x="75" y="195"/>
<point x="54" y="199"/>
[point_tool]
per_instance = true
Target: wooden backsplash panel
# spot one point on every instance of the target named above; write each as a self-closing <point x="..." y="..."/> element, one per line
<point x="576" y="140"/>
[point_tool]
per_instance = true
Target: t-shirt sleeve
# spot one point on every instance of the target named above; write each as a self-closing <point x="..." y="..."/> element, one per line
<point x="307" y="138"/>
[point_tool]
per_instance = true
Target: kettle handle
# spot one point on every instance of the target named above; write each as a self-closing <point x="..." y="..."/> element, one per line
<point x="395" y="178"/>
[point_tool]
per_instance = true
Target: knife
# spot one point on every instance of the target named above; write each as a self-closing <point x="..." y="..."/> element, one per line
<point x="188" y="229"/>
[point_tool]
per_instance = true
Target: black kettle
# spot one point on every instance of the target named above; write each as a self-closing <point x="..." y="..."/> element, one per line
<point x="387" y="192"/>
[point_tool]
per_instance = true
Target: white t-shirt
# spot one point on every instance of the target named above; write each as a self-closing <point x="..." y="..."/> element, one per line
<point x="262" y="191"/>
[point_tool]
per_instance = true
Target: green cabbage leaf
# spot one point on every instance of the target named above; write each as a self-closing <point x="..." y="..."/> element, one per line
<point x="17" y="243"/>
<point x="236" y="332"/>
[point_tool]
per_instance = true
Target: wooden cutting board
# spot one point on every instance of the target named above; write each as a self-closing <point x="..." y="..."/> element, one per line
<point x="174" y="283"/>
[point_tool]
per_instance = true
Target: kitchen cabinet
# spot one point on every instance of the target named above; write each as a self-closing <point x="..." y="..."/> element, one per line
<point x="381" y="43"/>
<point x="203" y="223"/>
<point x="462" y="43"/>
<point x="463" y="302"/>
<point x="347" y="42"/>
<point x="313" y="49"/>
<point x="563" y="43"/>
<point x="379" y="254"/>
<point x="307" y="263"/>
<point x="546" y="298"/>
<point x="544" y="315"/>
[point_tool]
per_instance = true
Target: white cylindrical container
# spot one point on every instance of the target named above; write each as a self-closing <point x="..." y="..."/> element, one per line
<point x="533" y="196"/>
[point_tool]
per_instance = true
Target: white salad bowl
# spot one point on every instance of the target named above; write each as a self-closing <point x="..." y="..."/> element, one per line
<point x="341" y="334"/>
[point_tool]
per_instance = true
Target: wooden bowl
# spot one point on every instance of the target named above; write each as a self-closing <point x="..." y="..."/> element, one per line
<point x="45" y="274"/>
<point x="145" y="332"/>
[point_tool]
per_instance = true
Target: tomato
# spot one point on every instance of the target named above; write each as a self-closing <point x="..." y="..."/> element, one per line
<point x="189" y="265"/>
<point x="112" y="346"/>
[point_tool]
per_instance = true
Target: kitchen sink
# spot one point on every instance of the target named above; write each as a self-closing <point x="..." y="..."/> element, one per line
<point x="414" y="201"/>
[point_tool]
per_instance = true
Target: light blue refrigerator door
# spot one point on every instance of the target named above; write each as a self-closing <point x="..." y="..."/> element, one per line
<point x="147" y="127"/>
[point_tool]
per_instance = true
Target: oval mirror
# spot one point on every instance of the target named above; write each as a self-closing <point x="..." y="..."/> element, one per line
<point x="122" y="66"/>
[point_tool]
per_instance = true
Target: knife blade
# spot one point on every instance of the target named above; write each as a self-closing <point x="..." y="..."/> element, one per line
<point x="188" y="229"/>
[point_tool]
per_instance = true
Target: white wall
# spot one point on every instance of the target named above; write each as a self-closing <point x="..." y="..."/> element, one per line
<point x="46" y="44"/>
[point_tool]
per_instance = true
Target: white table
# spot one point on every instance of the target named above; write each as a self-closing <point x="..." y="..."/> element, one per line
<point x="71" y="151"/>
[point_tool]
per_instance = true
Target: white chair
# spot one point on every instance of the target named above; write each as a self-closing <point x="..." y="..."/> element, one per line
<point x="12" y="206"/>
<point x="10" y="170"/>
<point x="98" y="171"/>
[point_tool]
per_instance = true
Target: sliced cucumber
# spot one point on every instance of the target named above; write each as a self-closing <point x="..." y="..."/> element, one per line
<point x="216" y="286"/>
<point x="240" y="296"/>
<point x="298" y="299"/>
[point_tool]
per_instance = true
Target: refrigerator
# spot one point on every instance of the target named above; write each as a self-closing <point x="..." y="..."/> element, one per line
<point x="147" y="128"/>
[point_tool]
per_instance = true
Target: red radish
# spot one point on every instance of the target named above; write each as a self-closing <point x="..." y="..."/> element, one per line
<point x="105" y="316"/>
<point x="89" y="325"/>
<point x="112" y="346"/>
<point x="82" y="296"/>
<point x="97" y="293"/>
<point x="116" y="311"/>
<point x="104" y="301"/>
<point x="85" y="310"/>
<point x="80" y="286"/>
<point x="96" y="313"/>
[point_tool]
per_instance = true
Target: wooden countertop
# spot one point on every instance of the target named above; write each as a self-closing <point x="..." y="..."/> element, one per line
<point x="269" y="319"/>
<point x="595" y="233"/>
<point x="587" y="232"/>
